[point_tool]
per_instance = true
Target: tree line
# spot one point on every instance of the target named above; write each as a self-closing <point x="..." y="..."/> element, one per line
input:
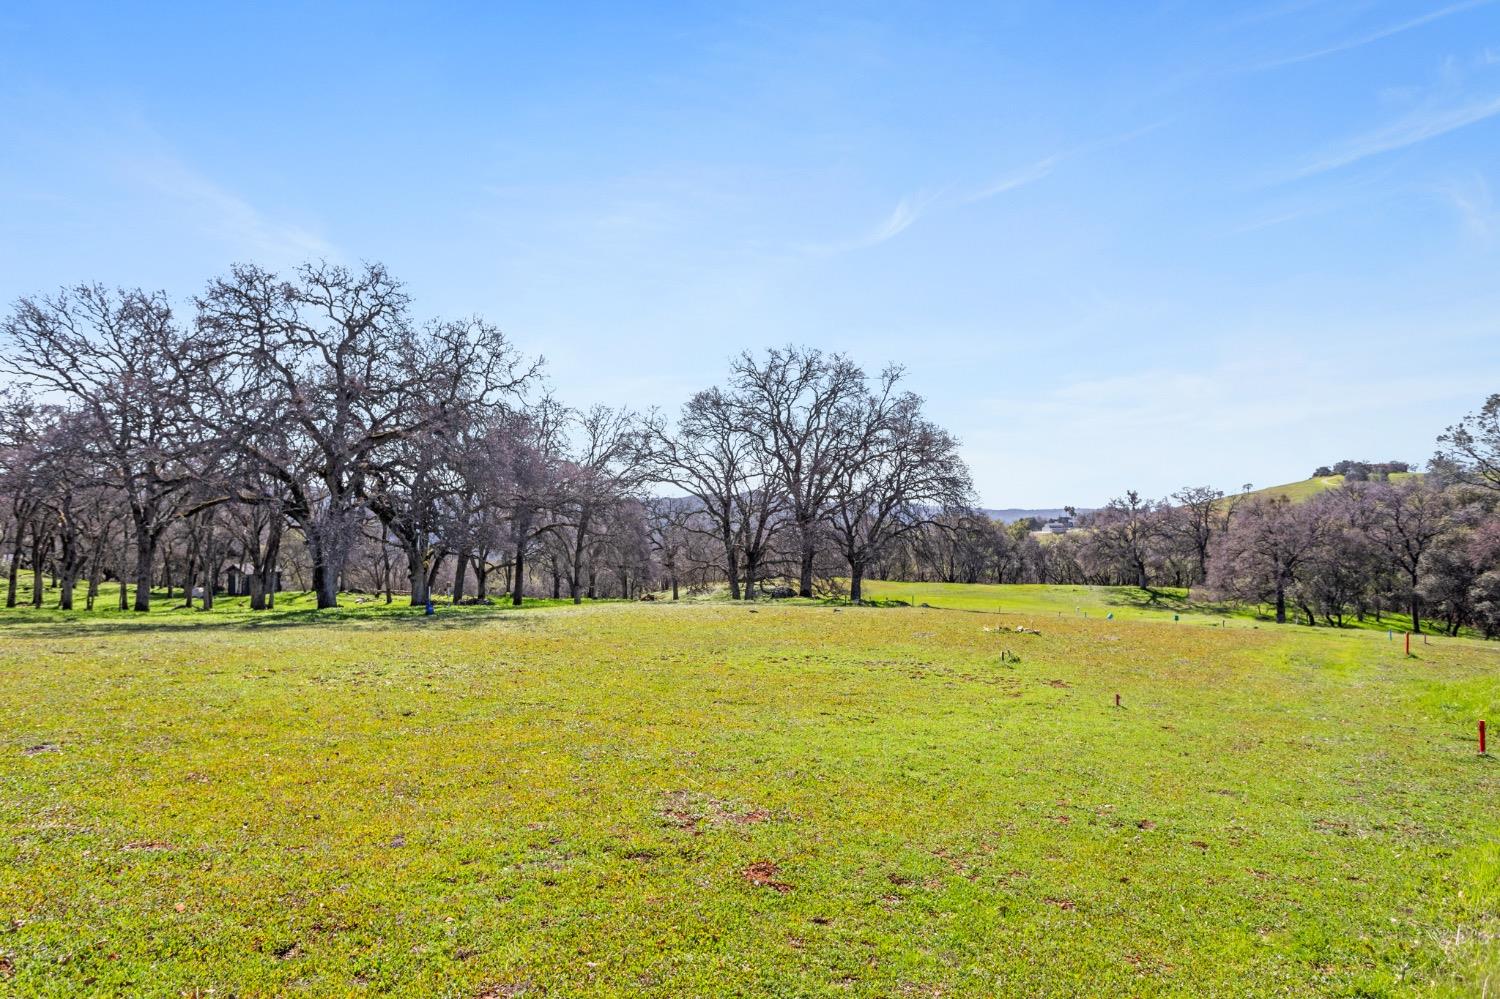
<point x="307" y="431"/>
<point x="310" y="426"/>
<point x="1385" y="540"/>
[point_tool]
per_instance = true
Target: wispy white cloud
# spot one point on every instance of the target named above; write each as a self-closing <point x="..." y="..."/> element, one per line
<point x="1378" y="34"/>
<point x="224" y="215"/>
<point x="1245" y="19"/>
<point x="912" y="207"/>
<point x="1270" y="221"/>
<point x="907" y="211"/>
<point x="1017" y="179"/>
<point x="1470" y="198"/>
<point x="1408" y="131"/>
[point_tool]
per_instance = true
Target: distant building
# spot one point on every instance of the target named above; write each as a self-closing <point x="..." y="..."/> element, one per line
<point x="239" y="580"/>
<point x="1059" y="525"/>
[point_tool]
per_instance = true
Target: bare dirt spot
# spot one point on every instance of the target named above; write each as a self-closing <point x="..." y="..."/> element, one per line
<point x="508" y="990"/>
<point x="763" y="874"/>
<point x="148" y="844"/>
<point x="688" y="810"/>
<point x="1066" y="905"/>
<point x="1198" y="843"/>
<point x="289" y="952"/>
<point x="40" y="748"/>
<point x="6" y="968"/>
<point x="1062" y="684"/>
<point x="1145" y="824"/>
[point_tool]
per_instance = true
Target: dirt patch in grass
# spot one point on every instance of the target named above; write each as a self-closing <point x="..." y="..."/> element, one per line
<point x="763" y="874"/>
<point x="40" y="748"/>
<point x="507" y="991"/>
<point x="691" y="811"/>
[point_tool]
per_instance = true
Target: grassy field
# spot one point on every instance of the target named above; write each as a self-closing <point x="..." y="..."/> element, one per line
<point x="709" y="799"/>
<point x="1126" y="603"/>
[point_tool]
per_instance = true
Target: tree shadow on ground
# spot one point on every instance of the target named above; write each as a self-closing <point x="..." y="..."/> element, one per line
<point x="50" y="623"/>
<point x="1167" y="599"/>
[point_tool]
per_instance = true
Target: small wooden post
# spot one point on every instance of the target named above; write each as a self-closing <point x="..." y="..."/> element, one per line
<point x="1117" y="704"/>
<point x="1408" y="643"/>
<point x="1481" y="737"/>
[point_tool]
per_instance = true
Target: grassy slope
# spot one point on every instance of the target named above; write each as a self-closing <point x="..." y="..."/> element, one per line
<point x="1308" y="488"/>
<point x="1124" y="602"/>
<point x="374" y="802"/>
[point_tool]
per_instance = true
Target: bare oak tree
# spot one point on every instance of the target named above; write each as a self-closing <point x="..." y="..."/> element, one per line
<point x="132" y="373"/>
<point x="333" y="369"/>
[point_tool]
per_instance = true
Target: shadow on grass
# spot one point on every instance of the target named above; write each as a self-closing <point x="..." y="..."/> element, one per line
<point x="53" y="623"/>
<point x="1172" y="600"/>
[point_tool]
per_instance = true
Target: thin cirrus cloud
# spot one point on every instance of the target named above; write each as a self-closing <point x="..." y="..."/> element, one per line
<point x="221" y="214"/>
<point x="913" y="206"/>
<point x="1472" y="202"/>
<point x="1020" y="178"/>
<point x="1377" y="35"/>
<point x="906" y="212"/>
<point x="1409" y="131"/>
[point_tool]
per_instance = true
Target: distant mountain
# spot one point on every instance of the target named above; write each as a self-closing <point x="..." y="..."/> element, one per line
<point x="1012" y="514"/>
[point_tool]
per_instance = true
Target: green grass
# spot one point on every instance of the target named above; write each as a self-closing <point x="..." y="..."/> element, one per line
<point x="710" y="799"/>
<point x="291" y="606"/>
<point x="1126" y="603"/>
<point x="1308" y="488"/>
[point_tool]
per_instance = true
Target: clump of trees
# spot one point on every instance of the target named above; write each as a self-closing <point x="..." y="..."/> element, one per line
<point x="1427" y="546"/>
<point x="1362" y="471"/>
<point x="311" y="430"/>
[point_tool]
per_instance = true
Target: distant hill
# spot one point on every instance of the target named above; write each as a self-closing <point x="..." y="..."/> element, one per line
<point x="1308" y="488"/>
<point x="1012" y="514"/>
<point x="1295" y="491"/>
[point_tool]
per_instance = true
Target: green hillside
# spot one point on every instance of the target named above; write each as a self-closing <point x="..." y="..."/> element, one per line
<point x="1308" y="488"/>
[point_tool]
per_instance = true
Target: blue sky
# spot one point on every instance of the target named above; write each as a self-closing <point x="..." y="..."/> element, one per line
<point x="1116" y="245"/>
